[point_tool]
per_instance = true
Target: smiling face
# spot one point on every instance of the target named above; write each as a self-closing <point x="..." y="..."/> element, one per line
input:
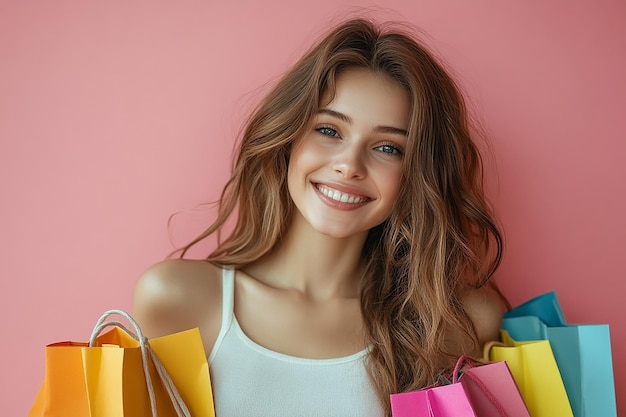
<point x="345" y="171"/>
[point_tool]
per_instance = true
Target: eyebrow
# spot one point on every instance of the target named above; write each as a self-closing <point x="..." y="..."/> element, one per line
<point x="347" y="119"/>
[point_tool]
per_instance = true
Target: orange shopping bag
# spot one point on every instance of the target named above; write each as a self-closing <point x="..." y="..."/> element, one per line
<point x="121" y="373"/>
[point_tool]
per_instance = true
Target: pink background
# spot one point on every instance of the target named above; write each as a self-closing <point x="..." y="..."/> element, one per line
<point x="116" y="114"/>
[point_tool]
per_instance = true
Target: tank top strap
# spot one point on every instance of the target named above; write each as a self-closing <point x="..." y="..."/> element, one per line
<point x="228" y="295"/>
<point x="228" y="307"/>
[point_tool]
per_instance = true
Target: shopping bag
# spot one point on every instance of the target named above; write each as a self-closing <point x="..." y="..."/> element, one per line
<point x="582" y="353"/>
<point x="493" y="391"/>
<point x="184" y="357"/>
<point x="475" y="391"/>
<point x="442" y="401"/>
<point x="120" y="373"/>
<point x="545" y="306"/>
<point x="534" y="369"/>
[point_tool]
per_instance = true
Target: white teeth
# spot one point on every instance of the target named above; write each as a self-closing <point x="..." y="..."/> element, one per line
<point x="339" y="196"/>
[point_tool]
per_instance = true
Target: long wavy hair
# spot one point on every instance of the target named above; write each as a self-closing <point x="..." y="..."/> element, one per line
<point x="441" y="237"/>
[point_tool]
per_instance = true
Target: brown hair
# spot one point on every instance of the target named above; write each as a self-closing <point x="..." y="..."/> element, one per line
<point x="441" y="236"/>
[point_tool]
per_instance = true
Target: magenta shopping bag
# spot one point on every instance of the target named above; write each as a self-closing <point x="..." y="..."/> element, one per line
<point x="475" y="391"/>
<point x="444" y="401"/>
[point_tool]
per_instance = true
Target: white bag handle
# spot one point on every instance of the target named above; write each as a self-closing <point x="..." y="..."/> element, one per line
<point x="146" y="352"/>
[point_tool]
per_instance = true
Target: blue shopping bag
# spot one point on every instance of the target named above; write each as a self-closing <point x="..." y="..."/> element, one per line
<point x="546" y="307"/>
<point x="582" y="353"/>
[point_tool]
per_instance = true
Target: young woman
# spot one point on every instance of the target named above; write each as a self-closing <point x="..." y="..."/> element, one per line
<point x="359" y="262"/>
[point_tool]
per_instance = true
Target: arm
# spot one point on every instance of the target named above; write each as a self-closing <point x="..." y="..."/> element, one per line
<point x="177" y="295"/>
<point x="485" y="308"/>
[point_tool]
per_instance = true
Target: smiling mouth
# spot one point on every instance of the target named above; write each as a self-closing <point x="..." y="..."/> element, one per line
<point x="339" y="196"/>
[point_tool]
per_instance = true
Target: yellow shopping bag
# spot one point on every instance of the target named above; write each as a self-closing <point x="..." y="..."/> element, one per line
<point x="183" y="355"/>
<point x="534" y="369"/>
<point x="120" y="373"/>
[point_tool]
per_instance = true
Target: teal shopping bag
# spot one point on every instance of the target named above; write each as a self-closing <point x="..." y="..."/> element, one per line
<point x="545" y="306"/>
<point x="582" y="353"/>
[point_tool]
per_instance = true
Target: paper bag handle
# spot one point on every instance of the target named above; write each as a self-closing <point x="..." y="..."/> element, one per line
<point x="487" y="349"/>
<point x="178" y="403"/>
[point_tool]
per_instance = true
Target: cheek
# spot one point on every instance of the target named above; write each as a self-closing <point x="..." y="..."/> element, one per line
<point x="291" y="174"/>
<point x="391" y="181"/>
<point x="297" y="168"/>
<point x="304" y="156"/>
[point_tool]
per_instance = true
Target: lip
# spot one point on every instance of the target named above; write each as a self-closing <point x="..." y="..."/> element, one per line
<point x="344" y="189"/>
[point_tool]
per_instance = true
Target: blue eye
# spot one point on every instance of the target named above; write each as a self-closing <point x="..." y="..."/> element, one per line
<point x="328" y="131"/>
<point x="390" y="150"/>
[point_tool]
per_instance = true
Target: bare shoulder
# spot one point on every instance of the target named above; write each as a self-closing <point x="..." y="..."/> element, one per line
<point x="177" y="295"/>
<point x="485" y="308"/>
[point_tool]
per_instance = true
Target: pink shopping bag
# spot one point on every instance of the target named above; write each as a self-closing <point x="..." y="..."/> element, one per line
<point x="475" y="391"/>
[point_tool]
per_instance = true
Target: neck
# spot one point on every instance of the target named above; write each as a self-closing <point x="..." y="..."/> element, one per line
<point x="317" y="265"/>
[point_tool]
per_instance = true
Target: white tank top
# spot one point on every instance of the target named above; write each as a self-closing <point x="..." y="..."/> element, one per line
<point x="252" y="381"/>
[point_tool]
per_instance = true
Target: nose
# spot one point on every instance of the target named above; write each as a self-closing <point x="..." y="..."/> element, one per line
<point x="349" y="162"/>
